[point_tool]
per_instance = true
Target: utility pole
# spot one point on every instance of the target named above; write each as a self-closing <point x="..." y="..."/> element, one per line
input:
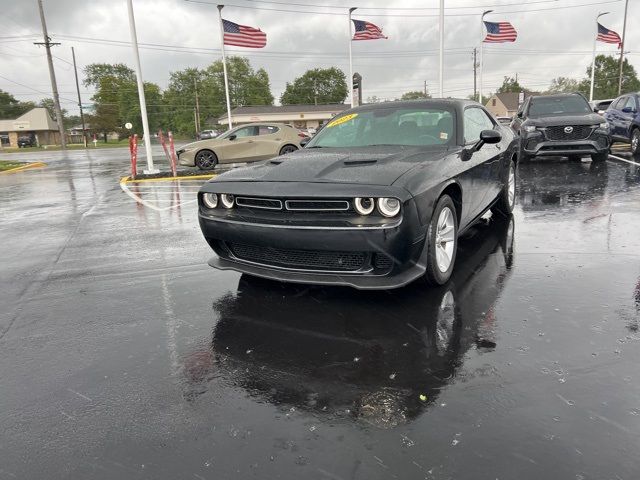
<point x="425" y="89"/>
<point x="475" y="74"/>
<point x="52" y="74"/>
<point x="624" y="31"/>
<point x="75" y="71"/>
<point x="195" y="86"/>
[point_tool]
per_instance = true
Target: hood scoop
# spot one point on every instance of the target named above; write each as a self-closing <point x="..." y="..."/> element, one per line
<point x="275" y="162"/>
<point x="360" y="162"/>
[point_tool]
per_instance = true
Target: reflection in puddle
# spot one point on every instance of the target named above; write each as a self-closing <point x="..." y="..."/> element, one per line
<point x="376" y="357"/>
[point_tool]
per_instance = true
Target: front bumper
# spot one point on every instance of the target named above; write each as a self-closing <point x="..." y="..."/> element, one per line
<point x="536" y="145"/>
<point x="398" y="242"/>
<point x="186" y="158"/>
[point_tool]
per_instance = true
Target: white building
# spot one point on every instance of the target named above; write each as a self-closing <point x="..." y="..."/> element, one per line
<point x="299" y="116"/>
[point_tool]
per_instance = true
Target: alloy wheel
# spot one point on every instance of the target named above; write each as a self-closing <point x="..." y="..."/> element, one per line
<point x="445" y="239"/>
<point x="205" y="159"/>
<point x="635" y="141"/>
<point x="512" y="185"/>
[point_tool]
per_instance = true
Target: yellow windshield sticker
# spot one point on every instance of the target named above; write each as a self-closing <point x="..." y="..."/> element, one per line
<point x="341" y="120"/>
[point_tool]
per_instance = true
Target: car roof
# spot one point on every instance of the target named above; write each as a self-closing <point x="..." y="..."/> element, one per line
<point x="559" y="95"/>
<point x="426" y="102"/>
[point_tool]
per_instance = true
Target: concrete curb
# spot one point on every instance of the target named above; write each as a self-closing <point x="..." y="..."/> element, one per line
<point x="125" y="180"/>
<point x="24" y="167"/>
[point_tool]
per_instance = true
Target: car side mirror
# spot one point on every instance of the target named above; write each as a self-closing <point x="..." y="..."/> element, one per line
<point x="596" y="109"/>
<point x="519" y="114"/>
<point x="304" y="141"/>
<point x="232" y="137"/>
<point x="486" y="136"/>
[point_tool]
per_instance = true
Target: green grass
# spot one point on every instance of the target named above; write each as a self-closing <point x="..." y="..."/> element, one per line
<point x="5" y="165"/>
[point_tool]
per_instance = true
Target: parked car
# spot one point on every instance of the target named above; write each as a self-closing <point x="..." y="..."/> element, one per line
<point x="246" y="143"/>
<point x="600" y="106"/>
<point x="26" y="141"/>
<point x="207" y="134"/>
<point x="375" y="200"/>
<point x="504" y="120"/>
<point x="561" y="125"/>
<point x="624" y="117"/>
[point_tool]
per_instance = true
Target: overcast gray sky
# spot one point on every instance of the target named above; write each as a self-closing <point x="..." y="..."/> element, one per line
<point x="555" y="38"/>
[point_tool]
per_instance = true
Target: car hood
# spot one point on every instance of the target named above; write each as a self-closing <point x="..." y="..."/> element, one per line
<point x="589" y="119"/>
<point x="366" y="165"/>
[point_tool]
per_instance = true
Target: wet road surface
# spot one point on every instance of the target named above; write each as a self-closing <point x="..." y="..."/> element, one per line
<point x="123" y="355"/>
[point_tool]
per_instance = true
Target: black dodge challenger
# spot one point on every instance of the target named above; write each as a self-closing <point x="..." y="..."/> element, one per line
<point x="377" y="199"/>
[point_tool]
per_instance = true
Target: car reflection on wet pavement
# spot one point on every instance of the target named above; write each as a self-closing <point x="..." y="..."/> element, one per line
<point x="377" y="358"/>
<point x="123" y="355"/>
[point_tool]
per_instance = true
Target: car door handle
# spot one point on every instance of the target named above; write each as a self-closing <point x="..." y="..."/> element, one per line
<point x="249" y="141"/>
<point x="278" y="139"/>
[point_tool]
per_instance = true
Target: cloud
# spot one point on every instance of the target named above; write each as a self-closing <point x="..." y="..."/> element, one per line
<point x="550" y="43"/>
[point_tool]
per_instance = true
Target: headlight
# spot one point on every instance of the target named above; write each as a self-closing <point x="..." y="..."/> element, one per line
<point x="227" y="200"/>
<point x="529" y="128"/>
<point x="210" y="200"/>
<point x="389" y="207"/>
<point x="364" y="206"/>
<point x="604" y="125"/>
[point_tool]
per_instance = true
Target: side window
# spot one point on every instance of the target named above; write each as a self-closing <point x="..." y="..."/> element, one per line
<point x="630" y="103"/>
<point x="246" y="132"/>
<point x="475" y="120"/>
<point x="619" y="103"/>
<point x="267" y="130"/>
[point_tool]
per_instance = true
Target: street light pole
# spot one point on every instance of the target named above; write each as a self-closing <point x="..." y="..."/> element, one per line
<point x="143" y="103"/>
<point x="624" y="32"/>
<point x="441" y="53"/>
<point x="75" y="71"/>
<point x="353" y="103"/>
<point x="593" y="58"/>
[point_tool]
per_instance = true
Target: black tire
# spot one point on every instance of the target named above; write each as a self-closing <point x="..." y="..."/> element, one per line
<point x="599" y="157"/>
<point x="434" y="275"/>
<point x="575" y="158"/>
<point x="206" y="160"/>
<point x="635" y="141"/>
<point x="507" y="197"/>
<point x="288" y="149"/>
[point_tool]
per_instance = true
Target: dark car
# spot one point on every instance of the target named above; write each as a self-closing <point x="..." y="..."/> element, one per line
<point x="561" y="125"/>
<point x="624" y="117"/>
<point x="26" y="141"/>
<point x="376" y="200"/>
<point x="600" y="106"/>
<point x="365" y="362"/>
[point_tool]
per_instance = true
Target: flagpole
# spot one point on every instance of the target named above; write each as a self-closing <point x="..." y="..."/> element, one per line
<point x="441" y="53"/>
<point x="482" y="52"/>
<point x="624" y="32"/>
<point x="224" y="67"/>
<point x="350" y="83"/>
<point x="593" y="58"/>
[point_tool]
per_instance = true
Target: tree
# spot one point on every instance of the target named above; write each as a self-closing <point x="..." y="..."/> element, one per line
<point x="606" y="78"/>
<point x="563" y="85"/>
<point x="373" y="99"/>
<point x="317" y="86"/>
<point x="414" y="95"/>
<point x="11" y="108"/>
<point x="247" y="87"/>
<point x="510" y="84"/>
<point x="48" y="103"/>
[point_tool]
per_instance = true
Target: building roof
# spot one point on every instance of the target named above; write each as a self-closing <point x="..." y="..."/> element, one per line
<point x="510" y="99"/>
<point x="36" y="119"/>
<point x="294" y="109"/>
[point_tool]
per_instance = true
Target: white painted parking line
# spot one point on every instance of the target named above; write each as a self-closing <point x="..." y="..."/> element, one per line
<point x="624" y="160"/>
<point x="151" y="205"/>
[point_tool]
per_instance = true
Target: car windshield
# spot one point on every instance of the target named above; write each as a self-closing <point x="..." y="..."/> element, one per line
<point x="544" y="106"/>
<point x="393" y="125"/>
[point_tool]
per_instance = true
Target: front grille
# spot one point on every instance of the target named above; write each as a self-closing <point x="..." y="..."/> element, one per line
<point x="300" y="259"/>
<point x="317" y="205"/>
<point x="578" y="132"/>
<point x="264" y="203"/>
<point x="383" y="262"/>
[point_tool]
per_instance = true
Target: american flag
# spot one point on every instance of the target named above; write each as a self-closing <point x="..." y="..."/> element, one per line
<point x="243" y="36"/>
<point x="608" y="36"/>
<point x="367" y="31"/>
<point x="500" y="32"/>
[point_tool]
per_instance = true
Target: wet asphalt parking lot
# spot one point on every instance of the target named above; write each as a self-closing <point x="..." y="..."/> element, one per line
<point x="123" y="355"/>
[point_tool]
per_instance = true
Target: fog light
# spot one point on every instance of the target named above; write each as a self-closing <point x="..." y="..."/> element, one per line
<point x="210" y="200"/>
<point x="389" y="207"/>
<point x="364" y="206"/>
<point x="227" y="200"/>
